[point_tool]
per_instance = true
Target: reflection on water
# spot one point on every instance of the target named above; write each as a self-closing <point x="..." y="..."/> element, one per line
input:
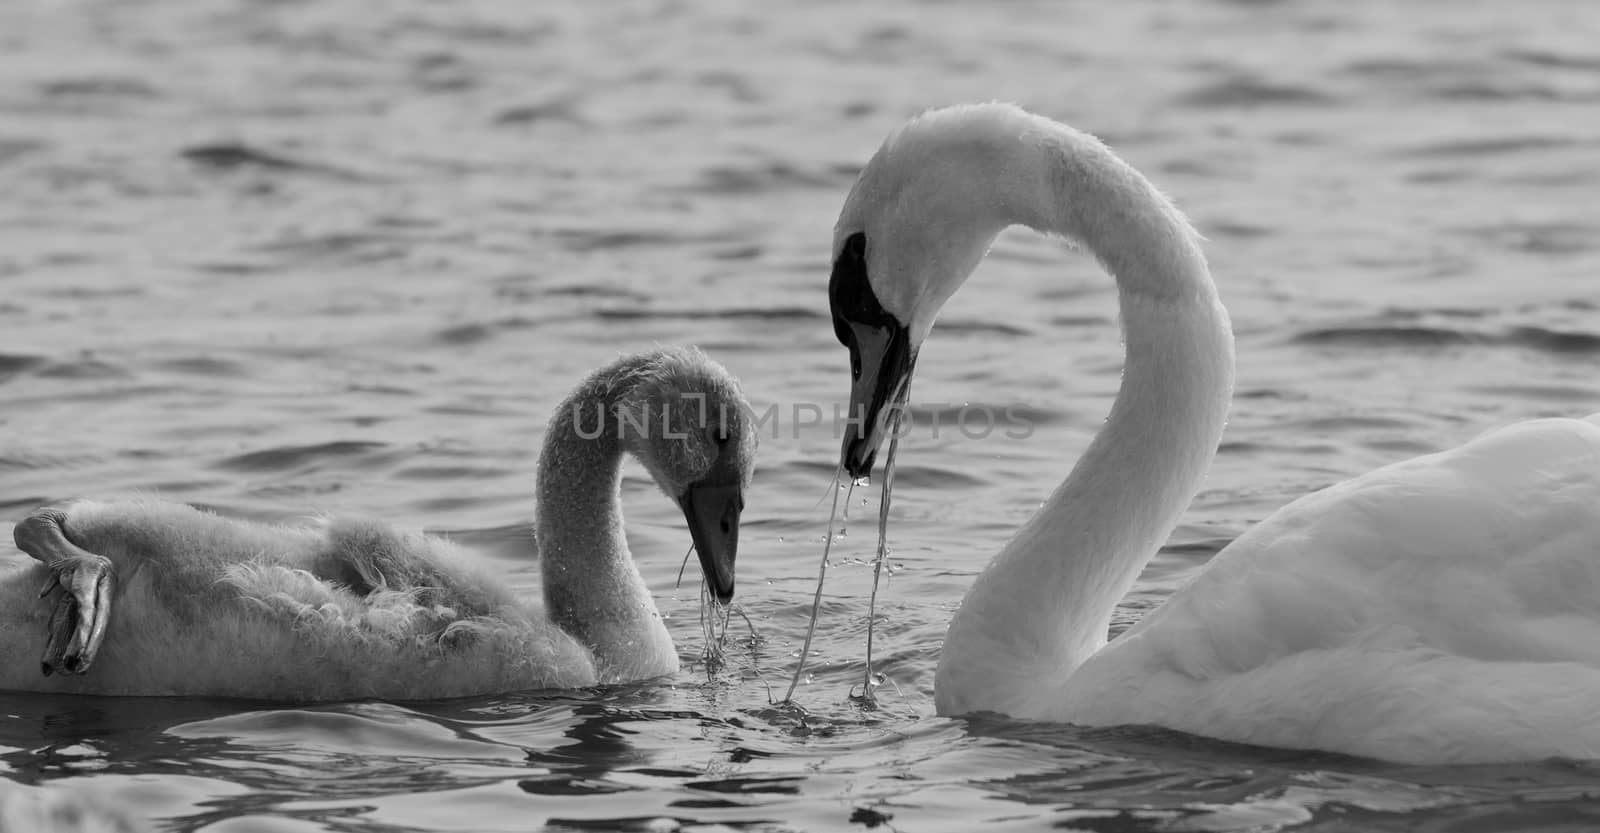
<point x="284" y="258"/>
<point x="607" y="760"/>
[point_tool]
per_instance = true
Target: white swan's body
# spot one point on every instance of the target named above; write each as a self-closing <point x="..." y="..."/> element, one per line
<point x="345" y="608"/>
<point x="1443" y="609"/>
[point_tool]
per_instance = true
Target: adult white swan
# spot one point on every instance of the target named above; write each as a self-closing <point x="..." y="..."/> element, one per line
<point x="1443" y="609"/>
<point x="347" y="608"/>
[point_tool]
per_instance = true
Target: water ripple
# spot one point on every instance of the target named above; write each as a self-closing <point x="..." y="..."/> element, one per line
<point x="13" y="364"/>
<point x="301" y="457"/>
<point x="765" y="178"/>
<point x="260" y="252"/>
<point x="228" y="156"/>
<point x="1543" y="339"/>
<point x="98" y="87"/>
<point x="1481" y="147"/>
<point x="1247" y="91"/>
<point x="770" y="313"/>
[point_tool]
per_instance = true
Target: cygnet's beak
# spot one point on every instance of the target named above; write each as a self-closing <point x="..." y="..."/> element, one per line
<point x="712" y="512"/>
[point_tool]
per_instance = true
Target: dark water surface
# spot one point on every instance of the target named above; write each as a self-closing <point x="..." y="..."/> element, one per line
<point x="288" y="257"/>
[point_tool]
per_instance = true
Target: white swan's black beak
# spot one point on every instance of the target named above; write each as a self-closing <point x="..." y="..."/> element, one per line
<point x="881" y="357"/>
<point x="712" y="512"/>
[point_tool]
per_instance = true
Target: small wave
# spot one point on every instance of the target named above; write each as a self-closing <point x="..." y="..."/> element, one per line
<point x="589" y="240"/>
<point x="438" y="472"/>
<point x="1237" y="230"/>
<point x="1497" y="146"/>
<point x="730" y="313"/>
<point x="1386" y="336"/>
<point x="204" y="366"/>
<point x="979" y="416"/>
<point x="1554" y="60"/>
<point x="475" y="409"/>
<point x="454" y="26"/>
<point x="584" y="290"/>
<point x="287" y="458"/>
<point x="1197" y="552"/>
<point x="442" y="72"/>
<point x="1470" y="80"/>
<point x="1074" y="322"/>
<point x="822" y="469"/>
<point x="1543" y="339"/>
<point x="582" y="785"/>
<point x="474" y="332"/>
<point x="98" y="87"/>
<point x="1245" y="91"/>
<point x="231" y="156"/>
<point x="764" y="178"/>
<point x="24" y="460"/>
<point x="196" y="485"/>
<point x="1397" y="70"/>
<point x="970" y="326"/>
<point x="1555" y="341"/>
<point x="858" y="109"/>
<point x="935" y="477"/>
<point x="563" y="109"/>
<point x="1346" y="422"/>
<point x="349" y="247"/>
<point x="15" y="148"/>
<point x="744" y="252"/>
<point x="232" y="268"/>
<point x="1270" y="393"/>
<point x="1537" y="238"/>
<point x="15" y="506"/>
<point x="465" y="334"/>
<point x="1498" y="89"/>
<point x="1547" y="393"/>
<point x="1298" y="447"/>
<point x="16" y="364"/>
<point x="83" y="368"/>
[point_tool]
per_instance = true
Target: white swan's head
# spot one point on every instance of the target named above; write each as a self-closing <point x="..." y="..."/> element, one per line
<point x="922" y="214"/>
<point x="684" y="417"/>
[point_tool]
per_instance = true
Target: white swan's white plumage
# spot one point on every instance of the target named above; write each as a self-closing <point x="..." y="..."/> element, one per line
<point x="347" y="608"/>
<point x="1441" y="609"/>
<point x="1445" y="608"/>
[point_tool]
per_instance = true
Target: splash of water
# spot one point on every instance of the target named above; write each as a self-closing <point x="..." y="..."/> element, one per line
<point x="868" y="686"/>
<point x="816" y="599"/>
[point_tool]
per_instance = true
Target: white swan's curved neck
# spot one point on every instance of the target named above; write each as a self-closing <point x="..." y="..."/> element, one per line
<point x="1043" y="606"/>
<point x="592" y="588"/>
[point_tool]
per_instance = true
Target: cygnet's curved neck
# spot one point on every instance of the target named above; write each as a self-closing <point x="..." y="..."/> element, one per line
<point x="592" y="588"/>
<point x="1044" y="605"/>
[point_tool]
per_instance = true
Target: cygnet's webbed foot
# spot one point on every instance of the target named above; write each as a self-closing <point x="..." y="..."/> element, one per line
<point x="78" y="620"/>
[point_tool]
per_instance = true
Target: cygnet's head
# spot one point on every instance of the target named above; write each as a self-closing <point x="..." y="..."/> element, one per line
<point x="684" y="417"/>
